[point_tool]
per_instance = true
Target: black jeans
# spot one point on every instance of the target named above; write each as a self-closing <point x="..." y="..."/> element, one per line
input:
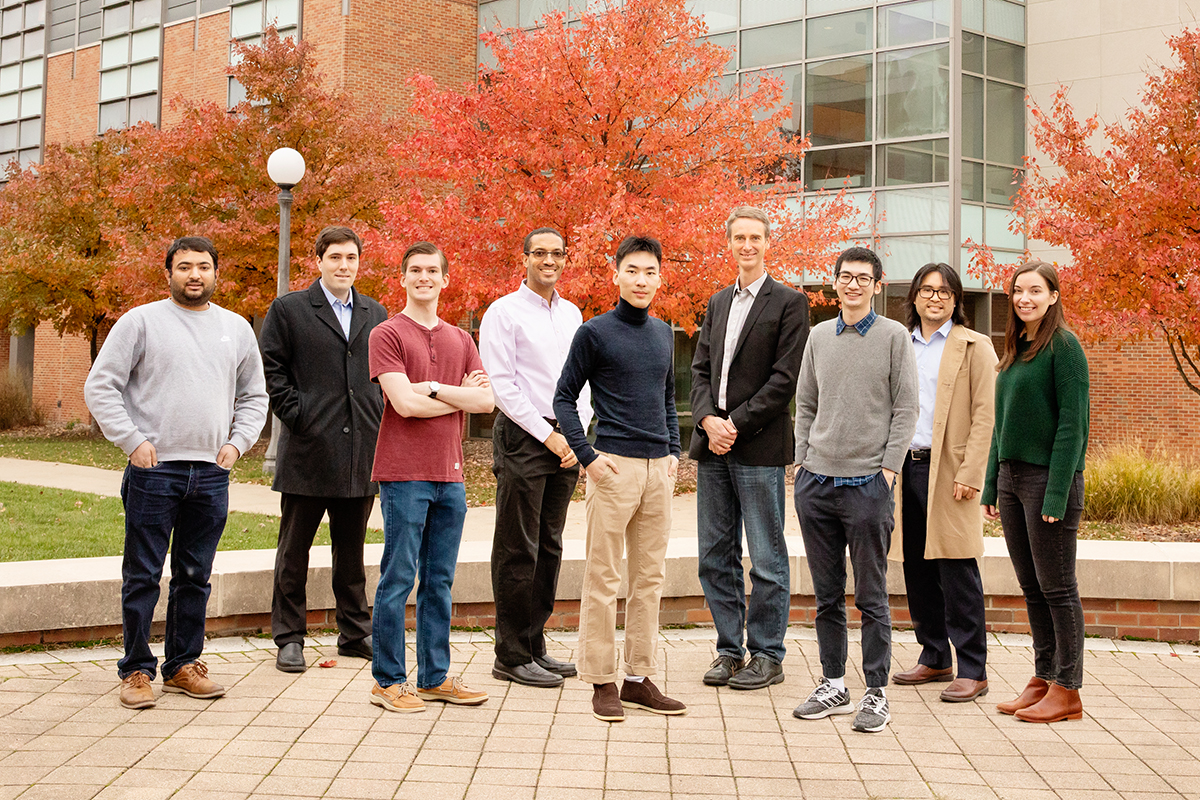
<point x="300" y="518"/>
<point x="532" y="495"/>
<point x="945" y="595"/>
<point x="1043" y="556"/>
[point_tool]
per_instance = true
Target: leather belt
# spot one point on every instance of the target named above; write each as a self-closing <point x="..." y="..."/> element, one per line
<point x="920" y="455"/>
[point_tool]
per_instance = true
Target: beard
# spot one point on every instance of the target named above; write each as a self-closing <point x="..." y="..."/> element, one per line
<point x="179" y="295"/>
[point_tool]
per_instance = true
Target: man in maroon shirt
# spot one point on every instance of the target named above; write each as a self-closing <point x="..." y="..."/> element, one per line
<point x="430" y="373"/>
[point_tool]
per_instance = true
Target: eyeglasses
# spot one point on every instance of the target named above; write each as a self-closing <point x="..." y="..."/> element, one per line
<point x="540" y="255"/>
<point x="846" y="278"/>
<point x="928" y="292"/>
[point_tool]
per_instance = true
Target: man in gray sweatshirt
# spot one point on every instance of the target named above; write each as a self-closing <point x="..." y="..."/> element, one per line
<point x="856" y="411"/>
<point x="178" y="386"/>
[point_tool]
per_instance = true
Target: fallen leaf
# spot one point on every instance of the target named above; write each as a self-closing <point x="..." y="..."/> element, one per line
<point x="327" y="663"/>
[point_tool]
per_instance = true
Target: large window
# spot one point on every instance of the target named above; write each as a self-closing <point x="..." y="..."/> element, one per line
<point x="22" y="80"/>
<point x="246" y="23"/>
<point x="130" y="58"/>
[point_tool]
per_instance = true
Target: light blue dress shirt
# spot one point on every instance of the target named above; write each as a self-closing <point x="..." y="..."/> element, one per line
<point x="343" y="311"/>
<point x="929" y="359"/>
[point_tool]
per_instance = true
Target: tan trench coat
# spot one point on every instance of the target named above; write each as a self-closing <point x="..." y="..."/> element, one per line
<point x="963" y="415"/>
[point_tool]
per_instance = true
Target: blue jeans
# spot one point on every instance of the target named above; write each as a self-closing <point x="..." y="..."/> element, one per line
<point x="190" y="498"/>
<point x="731" y="495"/>
<point x="422" y="528"/>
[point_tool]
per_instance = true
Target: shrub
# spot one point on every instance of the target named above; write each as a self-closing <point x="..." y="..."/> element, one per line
<point x="1127" y="484"/>
<point x="16" y="409"/>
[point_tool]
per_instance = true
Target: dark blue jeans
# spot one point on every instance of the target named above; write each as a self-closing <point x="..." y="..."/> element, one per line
<point x="190" y="498"/>
<point x="422" y="528"/>
<point x="1043" y="556"/>
<point x="731" y="495"/>
<point x="832" y="519"/>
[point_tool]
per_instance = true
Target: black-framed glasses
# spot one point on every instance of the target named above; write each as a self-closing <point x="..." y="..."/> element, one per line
<point x="928" y="292"/>
<point x="846" y="278"/>
<point x="540" y="255"/>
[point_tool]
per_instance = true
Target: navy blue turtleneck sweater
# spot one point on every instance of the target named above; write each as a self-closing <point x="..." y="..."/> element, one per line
<point x="628" y="357"/>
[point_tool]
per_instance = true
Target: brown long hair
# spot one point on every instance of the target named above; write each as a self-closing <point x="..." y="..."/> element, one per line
<point x="1049" y="325"/>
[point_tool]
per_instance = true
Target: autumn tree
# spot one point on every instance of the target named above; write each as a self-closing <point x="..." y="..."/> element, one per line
<point x="614" y="125"/>
<point x="1128" y="207"/>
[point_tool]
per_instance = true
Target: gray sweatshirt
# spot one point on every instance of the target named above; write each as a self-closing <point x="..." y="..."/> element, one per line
<point x="190" y="382"/>
<point x="856" y="400"/>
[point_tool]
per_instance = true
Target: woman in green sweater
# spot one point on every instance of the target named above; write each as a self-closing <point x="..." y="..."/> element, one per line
<point x="1034" y="485"/>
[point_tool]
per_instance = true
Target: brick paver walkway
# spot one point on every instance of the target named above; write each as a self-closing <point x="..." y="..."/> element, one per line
<point x="63" y="734"/>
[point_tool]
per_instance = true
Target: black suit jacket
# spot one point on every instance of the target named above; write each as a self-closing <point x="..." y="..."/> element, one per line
<point x="320" y="388"/>
<point x="762" y="373"/>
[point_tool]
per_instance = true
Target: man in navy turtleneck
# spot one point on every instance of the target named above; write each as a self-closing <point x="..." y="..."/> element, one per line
<point x="627" y="357"/>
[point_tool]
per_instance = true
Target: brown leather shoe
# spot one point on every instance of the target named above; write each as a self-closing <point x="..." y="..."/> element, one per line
<point x="645" y="695"/>
<point x="1034" y="691"/>
<point x="606" y="703"/>
<point x="963" y="690"/>
<point x="192" y="679"/>
<point x="923" y="674"/>
<point x="136" y="691"/>
<point x="1058" y="704"/>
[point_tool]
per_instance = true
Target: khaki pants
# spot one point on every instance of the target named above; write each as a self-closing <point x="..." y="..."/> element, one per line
<point x="631" y="511"/>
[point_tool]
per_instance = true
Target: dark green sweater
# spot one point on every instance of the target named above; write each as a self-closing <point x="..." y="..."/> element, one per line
<point x="1042" y="418"/>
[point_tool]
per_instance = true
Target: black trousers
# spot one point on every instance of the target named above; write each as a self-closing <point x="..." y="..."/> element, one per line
<point x="532" y="495"/>
<point x="945" y="595"/>
<point x="301" y="516"/>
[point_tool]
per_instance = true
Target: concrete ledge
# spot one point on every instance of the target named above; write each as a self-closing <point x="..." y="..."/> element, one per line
<point x="1143" y="589"/>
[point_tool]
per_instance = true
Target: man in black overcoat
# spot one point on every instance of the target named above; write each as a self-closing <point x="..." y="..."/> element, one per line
<point x="314" y="348"/>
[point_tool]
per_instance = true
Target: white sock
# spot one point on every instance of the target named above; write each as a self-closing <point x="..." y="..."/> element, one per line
<point x="838" y="683"/>
<point x="881" y="690"/>
<point x="635" y="678"/>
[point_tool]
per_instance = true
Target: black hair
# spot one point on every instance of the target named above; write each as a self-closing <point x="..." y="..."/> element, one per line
<point x="951" y="281"/>
<point x="336" y="234"/>
<point x="194" y="244"/>
<point x="638" y="244"/>
<point x="529" y="237"/>
<point x="862" y="255"/>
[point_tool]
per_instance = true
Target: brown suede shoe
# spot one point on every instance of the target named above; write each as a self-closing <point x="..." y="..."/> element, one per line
<point x="1034" y="691"/>
<point x="645" y="695"/>
<point x="401" y="697"/>
<point x="923" y="674"/>
<point x="1058" y="704"/>
<point x="963" y="690"/>
<point x="192" y="679"/>
<point x="136" y="691"/>
<point x="453" y="690"/>
<point x="606" y="703"/>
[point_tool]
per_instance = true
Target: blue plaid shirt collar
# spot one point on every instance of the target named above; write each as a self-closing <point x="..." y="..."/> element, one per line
<point x="862" y="326"/>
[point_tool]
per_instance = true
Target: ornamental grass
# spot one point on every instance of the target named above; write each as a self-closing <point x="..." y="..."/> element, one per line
<point x="1130" y="485"/>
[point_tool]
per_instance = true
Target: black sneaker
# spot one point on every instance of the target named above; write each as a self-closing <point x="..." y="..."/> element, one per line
<point x="872" y="716"/>
<point x="721" y="670"/>
<point x="760" y="673"/>
<point x="823" y="702"/>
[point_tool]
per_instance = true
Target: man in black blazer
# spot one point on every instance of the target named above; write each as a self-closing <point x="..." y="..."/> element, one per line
<point x="314" y="348"/>
<point x="743" y="378"/>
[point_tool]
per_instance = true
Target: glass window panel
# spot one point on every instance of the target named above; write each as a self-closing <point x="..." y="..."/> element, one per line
<point x="113" y="84"/>
<point x="145" y="45"/>
<point x="532" y="11"/>
<point x="35" y="13"/>
<point x="35" y="42"/>
<point x="285" y="13"/>
<point x="791" y="77"/>
<point x="970" y="223"/>
<point x="8" y="136"/>
<point x="285" y="33"/>
<point x="30" y="157"/>
<point x="114" y="52"/>
<point x="143" y="78"/>
<point x="1003" y="183"/>
<point x="848" y="167"/>
<point x="213" y="5"/>
<point x="910" y="23"/>
<point x="1005" y="61"/>
<point x="10" y="49"/>
<point x="31" y="133"/>
<point x="143" y="109"/>
<point x="760" y="12"/>
<point x="10" y="78"/>
<point x="31" y="73"/>
<point x="484" y="57"/>
<point x="777" y="44"/>
<point x="31" y="102"/>
<point x="913" y="210"/>
<point x="116" y="20"/>
<point x="146" y="12"/>
<point x="1005" y="123"/>
<point x="8" y="107"/>
<point x="89" y="28"/>
<point x="825" y="6"/>
<point x="11" y="21"/>
<point x="837" y="107"/>
<point x="718" y="15"/>
<point x="841" y="33"/>
<point x="972" y="181"/>
<point x="996" y="232"/>
<point x="245" y="20"/>
<point x="729" y="42"/>
<point x="972" y="117"/>
<point x="904" y="255"/>
<point x="972" y="52"/>
<point x="1005" y="19"/>
<point x="972" y="14"/>
<point x="180" y="9"/>
<point x="237" y="92"/>
<point x="112" y="115"/>
<point x="913" y="162"/>
<point x="62" y="36"/>
<point x="914" y="92"/>
<point x="498" y="15"/>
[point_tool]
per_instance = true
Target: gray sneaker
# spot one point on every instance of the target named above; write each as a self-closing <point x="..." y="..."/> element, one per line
<point x="872" y="714"/>
<point x="823" y="702"/>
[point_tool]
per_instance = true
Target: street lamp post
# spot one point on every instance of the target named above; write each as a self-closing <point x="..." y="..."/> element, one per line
<point x="286" y="168"/>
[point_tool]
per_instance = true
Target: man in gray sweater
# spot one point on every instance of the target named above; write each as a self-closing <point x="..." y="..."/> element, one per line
<point x="856" y="411"/>
<point x="178" y="386"/>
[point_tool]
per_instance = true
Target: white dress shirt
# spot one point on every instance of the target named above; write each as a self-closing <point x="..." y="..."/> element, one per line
<point x="739" y="309"/>
<point x="929" y="359"/>
<point x="523" y="341"/>
<point x="343" y="311"/>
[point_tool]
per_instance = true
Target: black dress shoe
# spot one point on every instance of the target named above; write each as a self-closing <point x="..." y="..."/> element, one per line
<point x="721" y="670"/>
<point x="360" y="649"/>
<point x="552" y="664"/>
<point x="527" y="675"/>
<point x="291" y="658"/>
<point x="760" y="673"/>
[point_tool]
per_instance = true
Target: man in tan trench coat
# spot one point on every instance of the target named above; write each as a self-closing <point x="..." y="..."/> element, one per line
<point x="939" y="522"/>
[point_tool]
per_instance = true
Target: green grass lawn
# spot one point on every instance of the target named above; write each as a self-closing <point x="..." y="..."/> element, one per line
<point x="38" y="523"/>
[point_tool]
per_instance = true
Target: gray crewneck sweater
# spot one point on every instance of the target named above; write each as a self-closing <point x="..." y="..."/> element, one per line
<point x="188" y="381"/>
<point x="856" y="400"/>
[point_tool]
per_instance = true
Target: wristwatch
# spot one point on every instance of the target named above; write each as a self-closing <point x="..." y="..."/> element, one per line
<point x="434" y="388"/>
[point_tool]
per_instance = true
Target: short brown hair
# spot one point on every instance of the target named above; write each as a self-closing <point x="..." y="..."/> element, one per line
<point x="748" y="212"/>
<point x="336" y="234"/>
<point x="423" y="249"/>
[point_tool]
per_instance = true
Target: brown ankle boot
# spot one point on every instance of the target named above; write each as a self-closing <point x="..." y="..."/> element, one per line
<point x="1058" y="704"/>
<point x="1033" y="692"/>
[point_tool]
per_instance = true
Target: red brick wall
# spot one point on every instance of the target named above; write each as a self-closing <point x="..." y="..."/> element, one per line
<point x="72" y="94"/>
<point x="5" y="349"/>
<point x="324" y="26"/>
<point x="60" y="365"/>
<point x="197" y="73"/>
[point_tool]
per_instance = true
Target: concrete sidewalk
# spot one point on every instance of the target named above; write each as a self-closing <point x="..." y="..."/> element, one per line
<point x="276" y="735"/>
